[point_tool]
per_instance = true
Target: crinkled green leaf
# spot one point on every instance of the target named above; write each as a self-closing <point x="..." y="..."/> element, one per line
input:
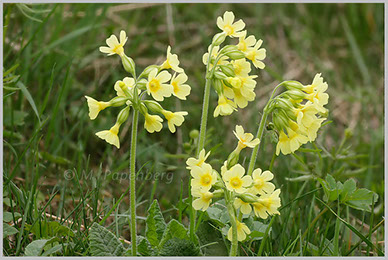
<point x="174" y="229"/>
<point x="103" y="242"/>
<point x="35" y="248"/>
<point x="155" y="224"/>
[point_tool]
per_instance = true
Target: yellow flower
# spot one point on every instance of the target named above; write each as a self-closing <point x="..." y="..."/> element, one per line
<point x="312" y="130"/>
<point x="110" y="136"/>
<point x="191" y="162"/>
<point x="261" y="184"/>
<point x="268" y="205"/>
<point x="256" y="55"/>
<point x="235" y="181"/>
<point x="203" y="199"/>
<point x="156" y="86"/>
<point x="95" y="107"/>
<point x="174" y="119"/>
<point x="229" y="27"/>
<point x="126" y="84"/>
<point x="290" y="142"/>
<point x="242" y="231"/>
<point x="153" y="123"/>
<point x="306" y="114"/>
<point x="245" y="207"/>
<point x="225" y="106"/>
<point x="241" y="67"/>
<point x="245" y="43"/>
<point x="221" y="61"/>
<point x="181" y="90"/>
<point x="234" y="81"/>
<point x="203" y="177"/>
<point x="316" y="92"/>
<point x="114" y="46"/>
<point x="245" y="139"/>
<point x="171" y="62"/>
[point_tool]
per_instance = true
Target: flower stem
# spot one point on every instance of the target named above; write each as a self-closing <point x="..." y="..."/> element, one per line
<point x="202" y="137"/>
<point x="233" y="221"/>
<point x="133" y="180"/>
<point x="260" y="131"/>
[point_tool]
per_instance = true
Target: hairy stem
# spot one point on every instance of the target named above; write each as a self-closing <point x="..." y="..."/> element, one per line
<point x="233" y="221"/>
<point x="133" y="179"/>
<point x="260" y="131"/>
<point x="202" y="137"/>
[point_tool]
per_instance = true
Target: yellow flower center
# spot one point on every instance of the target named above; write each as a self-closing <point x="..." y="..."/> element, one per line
<point x="118" y="49"/>
<point x="206" y="179"/>
<point x="251" y="55"/>
<point x="237" y="69"/>
<point x="259" y="183"/>
<point x="228" y="29"/>
<point x="235" y="182"/>
<point x="154" y="85"/>
<point x="242" y="46"/>
<point x="175" y="85"/>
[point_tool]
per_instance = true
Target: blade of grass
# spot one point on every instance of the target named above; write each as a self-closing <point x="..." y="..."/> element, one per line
<point x="367" y="241"/>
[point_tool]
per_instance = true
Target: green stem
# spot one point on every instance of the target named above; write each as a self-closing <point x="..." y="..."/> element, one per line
<point x="133" y="180"/>
<point x="260" y="131"/>
<point x="232" y="217"/>
<point x="202" y="137"/>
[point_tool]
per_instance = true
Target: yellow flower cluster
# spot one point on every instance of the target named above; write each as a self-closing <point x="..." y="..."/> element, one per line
<point x="229" y="67"/>
<point x="155" y="80"/>
<point x="299" y="113"/>
<point x="245" y="191"/>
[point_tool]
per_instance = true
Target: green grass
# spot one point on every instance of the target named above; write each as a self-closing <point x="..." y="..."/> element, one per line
<point x="47" y="132"/>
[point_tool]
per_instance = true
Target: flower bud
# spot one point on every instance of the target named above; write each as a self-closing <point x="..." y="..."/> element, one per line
<point x="284" y="104"/>
<point x="123" y="115"/>
<point x="228" y="48"/>
<point x="147" y="70"/>
<point x="219" y="38"/>
<point x="279" y="119"/>
<point x="235" y="55"/>
<point x="228" y="70"/>
<point x="295" y="94"/>
<point x="248" y="198"/>
<point x="143" y="109"/>
<point x="348" y="133"/>
<point x="194" y="134"/>
<point x="233" y="158"/>
<point x="117" y="101"/>
<point x="220" y="75"/>
<point x="218" y="194"/>
<point x="141" y="84"/>
<point x="186" y="146"/>
<point x="153" y="106"/>
<point x="292" y="84"/>
<point x="217" y="85"/>
<point x="128" y="64"/>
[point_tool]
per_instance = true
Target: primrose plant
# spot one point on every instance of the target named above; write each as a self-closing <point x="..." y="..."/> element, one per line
<point x="297" y="114"/>
<point x="155" y="81"/>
